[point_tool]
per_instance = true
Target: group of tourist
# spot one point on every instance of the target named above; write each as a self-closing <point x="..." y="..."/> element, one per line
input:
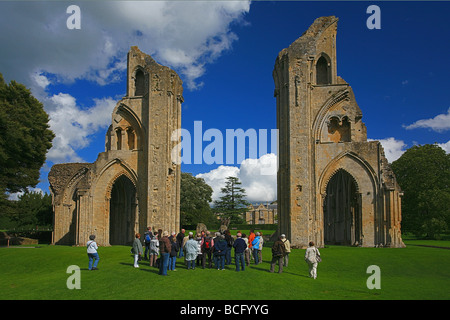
<point x="162" y="250"/>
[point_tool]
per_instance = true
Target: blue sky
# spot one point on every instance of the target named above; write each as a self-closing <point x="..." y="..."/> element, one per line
<point x="225" y="53"/>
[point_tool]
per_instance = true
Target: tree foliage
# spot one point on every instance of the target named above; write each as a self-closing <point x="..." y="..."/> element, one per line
<point x="423" y="173"/>
<point x="25" y="138"/>
<point x="195" y="196"/>
<point x="232" y="204"/>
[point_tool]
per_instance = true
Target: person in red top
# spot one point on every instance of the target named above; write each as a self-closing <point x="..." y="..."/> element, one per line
<point x="251" y="237"/>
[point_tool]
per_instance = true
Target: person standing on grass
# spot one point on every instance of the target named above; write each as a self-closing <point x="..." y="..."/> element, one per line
<point x="255" y="246"/>
<point x="278" y="252"/>
<point x="191" y="248"/>
<point x="312" y="257"/>
<point x="147" y="238"/>
<point x="154" y="250"/>
<point x="287" y="245"/>
<point x="137" y="250"/>
<point x="229" y="239"/>
<point x="92" y="253"/>
<point x="180" y="238"/>
<point x="207" y="245"/>
<point x="164" y="249"/>
<point x="239" y="248"/>
<point x="261" y="245"/>
<point x="251" y="237"/>
<point x="220" y="247"/>
<point x="173" y="252"/>
<point x="247" y="250"/>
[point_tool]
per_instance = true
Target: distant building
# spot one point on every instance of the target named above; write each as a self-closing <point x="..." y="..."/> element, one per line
<point x="262" y="214"/>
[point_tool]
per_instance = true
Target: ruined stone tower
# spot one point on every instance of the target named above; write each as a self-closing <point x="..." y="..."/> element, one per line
<point x="334" y="187"/>
<point x="135" y="183"/>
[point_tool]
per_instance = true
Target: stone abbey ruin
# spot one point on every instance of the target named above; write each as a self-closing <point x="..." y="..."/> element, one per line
<point x="334" y="186"/>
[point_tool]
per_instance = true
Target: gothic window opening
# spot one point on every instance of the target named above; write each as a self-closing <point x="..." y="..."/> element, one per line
<point x="339" y="130"/>
<point x="131" y="139"/>
<point x="139" y="83"/>
<point x="342" y="210"/>
<point x="323" y="74"/>
<point x="119" y="138"/>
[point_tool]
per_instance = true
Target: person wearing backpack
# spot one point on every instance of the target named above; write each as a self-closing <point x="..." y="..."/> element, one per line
<point x="207" y="246"/>
<point x="256" y="247"/>
<point x="147" y="238"/>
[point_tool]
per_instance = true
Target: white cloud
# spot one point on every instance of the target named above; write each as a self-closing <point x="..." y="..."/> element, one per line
<point x="17" y="195"/>
<point x="73" y="126"/>
<point x="182" y="34"/>
<point x="439" y="123"/>
<point x="40" y="50"/>
<point x="445" y="146"/>
<point x="393" y="149"/>
<point x="258" y="178"/>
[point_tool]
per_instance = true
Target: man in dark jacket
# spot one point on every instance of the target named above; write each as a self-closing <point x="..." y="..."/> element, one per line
<point x="180" y="238"/>
<point x="278" y="252"/>
<point x="220" y="247"/>
<point x="239" y="247"/>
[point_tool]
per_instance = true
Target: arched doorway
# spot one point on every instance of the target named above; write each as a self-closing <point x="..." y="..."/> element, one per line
<point x="122" y="218"/>
<point x="342" y="210"/>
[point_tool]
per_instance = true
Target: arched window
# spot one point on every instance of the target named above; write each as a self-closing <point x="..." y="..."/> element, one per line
<point x="139" y="83"/>
<point x="119" y="138"/>
<point x="131" y="138"/>
<point x="323" y="75"/>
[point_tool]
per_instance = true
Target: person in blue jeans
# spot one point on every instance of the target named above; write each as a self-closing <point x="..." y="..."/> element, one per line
<point x="256" y="247"/>
<point x="173" y="253"/>
<point x="239" y="248"/>
<point x="220" y="248"/>
<point x="164" y="249"/>
<point x="92" y="253"/>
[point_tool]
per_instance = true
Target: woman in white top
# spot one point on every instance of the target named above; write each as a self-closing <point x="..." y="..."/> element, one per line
<point x="312" y="257"/>
<point x="92" y="253"/>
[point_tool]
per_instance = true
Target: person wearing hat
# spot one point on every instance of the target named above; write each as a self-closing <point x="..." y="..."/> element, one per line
<point x="92" y="253"/>
<point x="164" y="250"/>
<point x="287" y="246"/>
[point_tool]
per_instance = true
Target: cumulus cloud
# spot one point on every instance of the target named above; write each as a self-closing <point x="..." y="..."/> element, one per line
<point x="258" y="178"/>
<point x="74" y="126"/>
<point x="445" y="146"/>
<point x="41" y="51"/>
<point x="185" y="35"/>
<point x="393" y="149"/>
<point x="439" y="123"/>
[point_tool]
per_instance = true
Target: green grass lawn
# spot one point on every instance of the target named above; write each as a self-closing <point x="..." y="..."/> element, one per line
<point x="414" y="272"/>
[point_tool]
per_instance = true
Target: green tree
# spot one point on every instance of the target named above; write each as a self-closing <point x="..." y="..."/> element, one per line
<point x="423" y="173"/>
<point x="232" y="204"/>
<point x="33" y="209"/>
<point x="195" y="196"/>
<point x="25" y="138"/>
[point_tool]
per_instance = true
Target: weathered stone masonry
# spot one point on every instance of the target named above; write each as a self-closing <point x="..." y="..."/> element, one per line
<point x="135" y="183"/>
<point x="334" y="187"/>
